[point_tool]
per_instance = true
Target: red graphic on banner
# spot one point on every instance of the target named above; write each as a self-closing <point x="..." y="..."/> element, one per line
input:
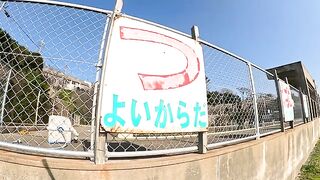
<point x="286" y="94"/>
<point x="168" y="81"/>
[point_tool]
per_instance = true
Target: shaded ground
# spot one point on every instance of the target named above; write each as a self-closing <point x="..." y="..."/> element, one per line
<point x="38" y="137"/>
<point x="311" y="169"/>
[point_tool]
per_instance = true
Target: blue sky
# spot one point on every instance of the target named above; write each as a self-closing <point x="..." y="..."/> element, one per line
<point x="268" y="33"/>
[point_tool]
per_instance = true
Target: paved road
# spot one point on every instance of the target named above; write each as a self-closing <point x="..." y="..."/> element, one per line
<point x="125" y="142"/>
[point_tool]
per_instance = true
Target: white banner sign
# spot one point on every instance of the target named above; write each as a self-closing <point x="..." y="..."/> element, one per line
<point x="287" y="101"/>
<point x="305" y="105"/>
<point x="155" y="81"/>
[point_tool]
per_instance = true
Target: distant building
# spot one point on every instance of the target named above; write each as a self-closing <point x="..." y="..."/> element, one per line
<point x="299" y="77"/>
<point x="58" y="79"/>
<point x="79" y="97"/>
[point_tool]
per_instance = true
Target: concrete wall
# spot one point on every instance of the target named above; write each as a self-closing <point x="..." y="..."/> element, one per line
<point x="277" y="156"/>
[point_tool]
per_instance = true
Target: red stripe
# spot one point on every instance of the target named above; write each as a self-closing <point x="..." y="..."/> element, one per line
<point x="167" y="81"/>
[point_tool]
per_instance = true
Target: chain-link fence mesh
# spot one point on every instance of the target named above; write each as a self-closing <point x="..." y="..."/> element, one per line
<point x="297" y="107"/>
<point x="48" y="57"/>
<point x="229" y="97"/>
<point x="48" y="64"/>
<point x="267" y="101"/>
<point x="122" y="142"/>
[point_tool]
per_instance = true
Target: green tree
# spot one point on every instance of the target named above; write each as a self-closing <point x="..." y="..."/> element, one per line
<point x="77" y="103"/>
<point x="25" y="82"/>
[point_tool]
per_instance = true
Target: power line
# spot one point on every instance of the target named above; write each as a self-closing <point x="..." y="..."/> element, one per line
<point x="21" y="28"/>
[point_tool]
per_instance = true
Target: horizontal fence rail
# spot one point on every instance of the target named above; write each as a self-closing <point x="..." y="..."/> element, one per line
<point x="51" y="59"/>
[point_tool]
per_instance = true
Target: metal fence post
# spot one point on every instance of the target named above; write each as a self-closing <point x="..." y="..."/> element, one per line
<point x="310" y="104"/>
<point x="280" y="104"/>
<point x="37" y="108"/>
<point x="317" y="99"/>
<point x="202" y="136"/>
<point x="255" y="103"/>
<point x="96" y="84"/>
<point x="100" y="152"/>
<point x="2" y="5"/>
<point x="5" y="96"/>
<point x="302" y="105"/>
<point x="202" y="142"/>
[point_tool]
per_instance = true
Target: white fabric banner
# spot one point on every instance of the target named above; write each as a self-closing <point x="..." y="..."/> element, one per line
<point x="155" y="81"/>
<point x="305" y="105"/>
<point x="287" y="101"/>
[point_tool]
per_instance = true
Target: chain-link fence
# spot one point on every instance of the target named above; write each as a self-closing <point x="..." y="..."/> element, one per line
<point x="122" y="144"/>
<point x="229" y="97"/>
<point x="297" y="107"/>
<point x="49" y="55"/>
<point x="50" y="62"/>
<point x="267" y="101"/>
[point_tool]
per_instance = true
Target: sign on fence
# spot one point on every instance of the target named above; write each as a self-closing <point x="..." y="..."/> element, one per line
<point x="287" y="101"/>
<point x="155" y="81"/>
<point x="305" y="105"/>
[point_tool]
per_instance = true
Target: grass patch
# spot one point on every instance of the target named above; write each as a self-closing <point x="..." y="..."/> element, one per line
<point x="311" y="170"/>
